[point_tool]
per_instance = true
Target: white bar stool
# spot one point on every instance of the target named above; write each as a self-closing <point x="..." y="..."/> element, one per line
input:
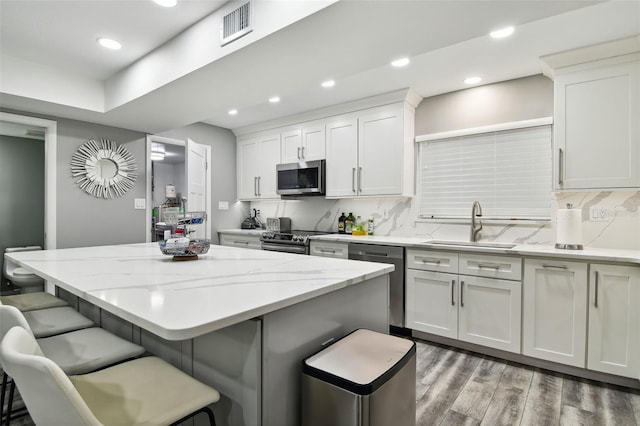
<point x="77" y="352"/>
<point x="145" y="391"/>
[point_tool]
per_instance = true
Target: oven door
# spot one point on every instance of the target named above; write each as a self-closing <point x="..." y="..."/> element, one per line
<point x="285" y="248"/>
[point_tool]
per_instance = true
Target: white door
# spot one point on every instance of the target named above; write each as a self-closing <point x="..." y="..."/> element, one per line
<point x="380" y="168"/>
<point x="269" y="159"/>
<point x="342" y="157"/>
<point x="489" y="312"/>
<point x="196" y="177"/>
<point x="555" y="311"/>
<point x="614" y="320"/>
<point x="432" y="302"/>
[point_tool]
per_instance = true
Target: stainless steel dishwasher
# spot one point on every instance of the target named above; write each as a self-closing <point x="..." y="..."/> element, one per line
<point x="395" y="256"/>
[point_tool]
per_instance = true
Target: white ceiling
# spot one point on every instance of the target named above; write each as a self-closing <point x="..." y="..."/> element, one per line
<point x="352" y="41"/>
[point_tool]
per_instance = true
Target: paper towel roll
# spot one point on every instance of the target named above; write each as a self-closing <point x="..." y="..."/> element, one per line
<point x="569" y="227"/>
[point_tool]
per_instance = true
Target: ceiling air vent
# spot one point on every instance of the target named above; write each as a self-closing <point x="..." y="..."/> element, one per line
<point x="237" y="23"/>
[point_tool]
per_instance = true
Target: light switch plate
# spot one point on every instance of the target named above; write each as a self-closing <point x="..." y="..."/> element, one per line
<point x="139" y="203"/>
<point x="598" y="214"/>
<point x="223" y="205"/>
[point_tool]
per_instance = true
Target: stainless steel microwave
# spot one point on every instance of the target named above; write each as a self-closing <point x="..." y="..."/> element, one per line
<point x="302" y="178"/>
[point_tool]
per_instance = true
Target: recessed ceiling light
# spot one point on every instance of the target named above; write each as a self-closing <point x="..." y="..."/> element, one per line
<point x="502" y="32"/>
<point x="109" y="43"/>
<point x="274" y="99"/>
<point x="402" y="62"/>
<point x="166" y="3"/>
<point x="328" y="83"/>
<point x="472" y="80"/>
<point x="233" y="111"/>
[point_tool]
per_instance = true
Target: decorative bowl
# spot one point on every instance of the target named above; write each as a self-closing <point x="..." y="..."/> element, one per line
<point x="183" y="248"/>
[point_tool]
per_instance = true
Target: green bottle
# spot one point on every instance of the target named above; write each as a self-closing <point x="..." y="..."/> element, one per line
<point x="348" y="224"/>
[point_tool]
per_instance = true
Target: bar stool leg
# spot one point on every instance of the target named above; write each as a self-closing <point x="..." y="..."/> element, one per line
<point x="4" y="390"/>
<point x="12" y="388"/>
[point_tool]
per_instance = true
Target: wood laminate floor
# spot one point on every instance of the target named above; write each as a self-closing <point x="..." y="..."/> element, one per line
<point x="456" y="387"/>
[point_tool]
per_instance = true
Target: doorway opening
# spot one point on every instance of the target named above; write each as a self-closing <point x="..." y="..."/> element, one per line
<point x="178" y="184"/>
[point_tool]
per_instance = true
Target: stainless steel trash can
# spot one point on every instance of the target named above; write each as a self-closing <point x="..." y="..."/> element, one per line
<point x="364" y="379"/>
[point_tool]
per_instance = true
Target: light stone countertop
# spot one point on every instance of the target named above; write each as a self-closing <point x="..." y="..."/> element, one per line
<point x="183" y="299"/>
<point x="588" y="254"/>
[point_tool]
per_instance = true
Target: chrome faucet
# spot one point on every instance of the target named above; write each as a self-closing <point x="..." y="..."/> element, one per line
<point x="476" y="227"/>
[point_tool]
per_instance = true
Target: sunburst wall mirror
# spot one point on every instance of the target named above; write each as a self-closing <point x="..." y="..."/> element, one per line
<point x="105" y="170"/>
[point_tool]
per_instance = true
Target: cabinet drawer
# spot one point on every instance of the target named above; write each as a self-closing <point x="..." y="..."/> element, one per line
<point x="432" y="260"/>
<point x="242" y="241"/>
<point x="329" y="249"/>
<point x="504" y="267"/>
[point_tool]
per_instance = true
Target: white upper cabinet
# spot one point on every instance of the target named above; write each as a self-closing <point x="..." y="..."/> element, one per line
<point x="304" y="143"/>
<point x="342" y="156"/>
<point x="370" y="153"/>
<point x="596" y="125"/>
<point x="256" y="162"/>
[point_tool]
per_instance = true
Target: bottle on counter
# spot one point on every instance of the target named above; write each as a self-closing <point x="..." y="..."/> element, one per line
<point x="348" y="223"/>
<point x="341" y="223"/>
<point x="359" y="225"/>
<point x="370" y="226"/>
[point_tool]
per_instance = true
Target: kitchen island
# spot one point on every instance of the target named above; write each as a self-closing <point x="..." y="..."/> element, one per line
<point x="239" y="320"/>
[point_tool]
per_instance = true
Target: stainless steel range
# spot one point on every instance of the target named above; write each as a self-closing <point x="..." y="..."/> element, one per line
<point x="288" y="242"/>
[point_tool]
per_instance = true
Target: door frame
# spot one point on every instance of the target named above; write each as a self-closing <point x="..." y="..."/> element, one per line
<point x="50" y="171"/>
<point x="180" y="142"/>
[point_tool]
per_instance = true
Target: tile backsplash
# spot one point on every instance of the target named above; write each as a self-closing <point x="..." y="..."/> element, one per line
<point x="617" y="225"/>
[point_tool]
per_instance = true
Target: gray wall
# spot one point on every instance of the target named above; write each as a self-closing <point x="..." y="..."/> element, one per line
<point x="21" y="193"/>
<point x="507" y="101"/>
<point x="83" y="220"/>
<point x="223" y="172"/>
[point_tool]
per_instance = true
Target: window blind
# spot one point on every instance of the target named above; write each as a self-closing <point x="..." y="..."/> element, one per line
<point x="509" y="172"/>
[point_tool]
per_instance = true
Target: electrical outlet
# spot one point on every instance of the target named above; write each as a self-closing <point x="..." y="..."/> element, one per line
<point x="223" y="205"/>
<point x="598" y="214"/>
<point x="139" y="203"/>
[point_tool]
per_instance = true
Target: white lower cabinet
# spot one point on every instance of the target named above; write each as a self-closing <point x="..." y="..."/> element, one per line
<point x="431" y="302"/>
<point x="614" y="320"/>
<point x="481" y="310"/>
<point x="555" y="311"/>
<point x="336" y="250"/>
<point x="489" y="312"/>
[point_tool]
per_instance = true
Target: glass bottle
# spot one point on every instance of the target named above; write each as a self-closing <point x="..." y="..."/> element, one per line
<point x="341" y="223"/>
<point x="348" y="224"/>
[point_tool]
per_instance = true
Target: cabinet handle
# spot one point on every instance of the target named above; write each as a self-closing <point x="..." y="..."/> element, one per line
<point x="555" y="266"/>
<point x="353" y="179"/>
<point x="327" y="251"/>
<point x="259" y="192"/>
<point x="303" y="152"/>
<point x="241" y="242"/>
<point x="560" y="166"/>
<point x="431" y="261"/>
<point x="462" y="294"/>
<point x="453" y="283"/>
<point x="595" y="303"/>
<point x="359" y="179"/>
<point x="298" y="153"/>
<point x="488" y="266"/>
<point x="255" y="186"/>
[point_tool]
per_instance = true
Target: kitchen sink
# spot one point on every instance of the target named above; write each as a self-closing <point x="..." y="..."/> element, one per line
<point x="479" y="244"/>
